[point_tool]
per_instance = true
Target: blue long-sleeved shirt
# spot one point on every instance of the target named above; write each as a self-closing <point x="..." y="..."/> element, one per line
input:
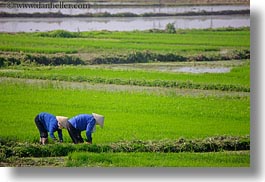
<point x="50" y="124"/>
<point x="84" y="122"/>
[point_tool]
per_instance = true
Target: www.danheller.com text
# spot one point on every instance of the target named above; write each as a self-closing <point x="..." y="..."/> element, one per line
<point x="48" y="5"/>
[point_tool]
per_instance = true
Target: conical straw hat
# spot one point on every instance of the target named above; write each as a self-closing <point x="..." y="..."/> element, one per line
<point x="99" y="119"/>
<point x="62" y="121"/>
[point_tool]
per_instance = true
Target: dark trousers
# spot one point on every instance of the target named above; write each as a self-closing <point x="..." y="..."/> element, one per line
<point x="74" y="133"/>
<point x="41" y="128"/>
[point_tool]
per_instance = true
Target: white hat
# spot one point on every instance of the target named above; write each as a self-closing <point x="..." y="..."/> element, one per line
<point x="99" y="119"/>
<point x="62" y="121"/>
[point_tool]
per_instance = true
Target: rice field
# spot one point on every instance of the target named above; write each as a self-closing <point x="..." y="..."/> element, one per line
<point x="123" y="42"/>
<point x="181" y="116"/>
<point x="140" y="101"/>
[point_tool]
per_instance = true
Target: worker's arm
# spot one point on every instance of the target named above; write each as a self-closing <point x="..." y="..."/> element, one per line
<point x="52" y="135"/>
<point x="60" y="135"/>
<point x="52" y="129"/>
<point x="89" y="130"/>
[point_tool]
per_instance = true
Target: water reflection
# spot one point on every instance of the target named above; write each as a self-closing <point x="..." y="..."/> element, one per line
<point x="120" y="24"/>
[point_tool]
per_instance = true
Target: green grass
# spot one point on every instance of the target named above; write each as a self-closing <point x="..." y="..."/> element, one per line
<point x="195" y="40"/>
<point x="128" y="115"/>
<point x="218" y="159"/>
<point x="190" y="37"/>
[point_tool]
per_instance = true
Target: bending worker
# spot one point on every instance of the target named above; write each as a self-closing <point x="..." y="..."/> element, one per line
<point x="81" y="122"/>
<point x="45" y="123"/>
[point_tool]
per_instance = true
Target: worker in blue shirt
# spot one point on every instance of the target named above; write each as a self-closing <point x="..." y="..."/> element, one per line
<point x="45" y="123"/>
<point x="82" y="122"/>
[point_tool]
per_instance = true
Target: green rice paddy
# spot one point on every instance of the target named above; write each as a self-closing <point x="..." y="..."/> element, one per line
<point x="143" y="104"/>
<point x="122" y="42"/>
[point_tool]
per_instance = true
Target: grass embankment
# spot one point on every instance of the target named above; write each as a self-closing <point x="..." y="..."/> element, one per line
<point x="212" y="144"/>
<point x="86" y="159"/>
<point x="163" y="153"/>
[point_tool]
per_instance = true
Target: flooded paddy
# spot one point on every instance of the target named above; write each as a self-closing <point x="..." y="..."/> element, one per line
<point x="186" y="67"/>
<point x="120" y="23"/>
<point x="202" y="70"/>
<point x="16" y="24"/>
